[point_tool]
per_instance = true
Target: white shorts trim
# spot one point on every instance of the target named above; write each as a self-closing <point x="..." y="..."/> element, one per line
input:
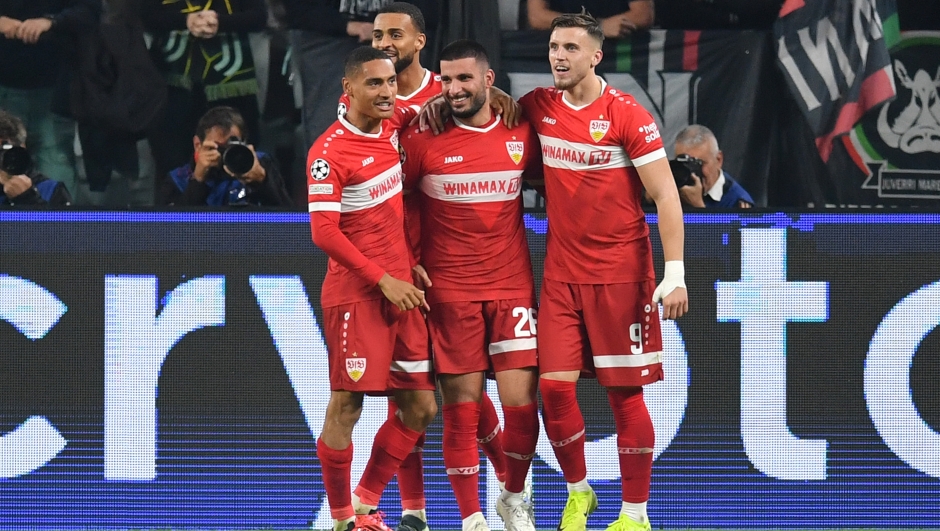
<point x="513" y="345"/>
<point x="628" y="360"/>
<point x="411" y="367"/>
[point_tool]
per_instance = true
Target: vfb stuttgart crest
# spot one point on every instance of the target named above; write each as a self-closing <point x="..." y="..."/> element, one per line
<point x="599" y="129"/>
<point x="516" y="150"/>
<point x="355" y="368"/>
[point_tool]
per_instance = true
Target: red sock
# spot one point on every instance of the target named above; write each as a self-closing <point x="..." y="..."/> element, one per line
<point x="393" y="443"/>
<point x="564" y="426"/>
<point x="521" y="436"/>
<point x="490" y="437"/>
<point x="335" y="465"/>
<point x="460" y="454"/>
<point x="411" y="472"/>
<point x="635" y="440"/>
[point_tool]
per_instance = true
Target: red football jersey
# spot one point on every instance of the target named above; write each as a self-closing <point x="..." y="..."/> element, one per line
<point x="430" y="87"/>
<point x="473" y="240"/>
<point x="597" y="233"/>
<point x="354" y="196"/>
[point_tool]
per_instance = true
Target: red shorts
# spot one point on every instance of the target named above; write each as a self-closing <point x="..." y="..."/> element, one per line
<point x="473" y="337"/>
<point x="374" y="347"/>
<point x="610" y="331"/>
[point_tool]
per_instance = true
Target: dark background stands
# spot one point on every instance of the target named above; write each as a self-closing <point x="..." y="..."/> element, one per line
<point x="192" y="92"/>
<point x="34" y="78"/>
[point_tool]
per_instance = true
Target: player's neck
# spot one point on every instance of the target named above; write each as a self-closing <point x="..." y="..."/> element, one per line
<point x="585" y="92"/>
<point x="366" y="124"/>
<point x="482" y="118"/>
<point x="410" y="79"/>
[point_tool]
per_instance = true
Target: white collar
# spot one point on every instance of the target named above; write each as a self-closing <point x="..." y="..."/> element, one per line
<point x="579" y="107"/>
<point x="718" y="190"/>
<point x="424" y="83"/>
<point x="486" y="129"/>
<point x="356" y="131"/>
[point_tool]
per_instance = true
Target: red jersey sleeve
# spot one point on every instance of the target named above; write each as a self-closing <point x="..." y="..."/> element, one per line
<point x="639" y="133"/>
<point x="411" y="148"/>
<point x="324" y="199"/>
<point x="533" y="172"/>
<point x="529" y="104"/>
<point x="403" y="115"/>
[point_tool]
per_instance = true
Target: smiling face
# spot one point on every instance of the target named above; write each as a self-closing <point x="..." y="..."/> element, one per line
<point x="372" y="89"/>
<point x="573" y="54"/>
<point x="465" y="84"/>
<point x="396" y="35"/>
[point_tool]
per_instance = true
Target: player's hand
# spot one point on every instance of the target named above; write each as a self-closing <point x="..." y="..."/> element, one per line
<point x="432" y="115"/>
<point x="672" y="292"/>
<point x="504" y="105"/>
<point x="420" y="274"/>
<point x="693" y="194"/>
<point x="30" y="30"/>
<point x="405" y="295"/>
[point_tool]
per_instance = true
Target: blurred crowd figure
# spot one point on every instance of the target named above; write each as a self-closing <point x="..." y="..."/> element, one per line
<point x="123" y="83"/>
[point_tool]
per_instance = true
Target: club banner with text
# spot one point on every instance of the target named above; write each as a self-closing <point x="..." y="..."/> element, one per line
<point x="168" y="371"/>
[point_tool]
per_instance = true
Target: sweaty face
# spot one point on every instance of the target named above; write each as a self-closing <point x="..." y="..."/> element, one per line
<point x="372" y="89"/>
<point x="711" y="158"/>
<point x="572" y="54"/>
<point x="464" y="83"/>
<point x="396" y="35"/>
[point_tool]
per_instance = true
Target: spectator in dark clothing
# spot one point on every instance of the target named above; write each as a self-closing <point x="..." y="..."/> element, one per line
<point x="208" y="182"/>
<point x="717" y="14"/>
<point x="918" y="15"/>
<point x="35" y="40"/>
<point x="325" y="31"/>
<point x="203" y="49"/>
<point x="28" y="187"/>
<point x="618" y="18"/>
<point x="714" y="188"/>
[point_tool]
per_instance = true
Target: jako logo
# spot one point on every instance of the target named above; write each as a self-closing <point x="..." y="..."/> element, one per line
<point x="366" y="162"/>
<point x="548" y="120"/>
<point x="453" y="159"/>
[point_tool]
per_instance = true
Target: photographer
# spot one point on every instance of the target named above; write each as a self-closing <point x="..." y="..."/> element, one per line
<point x="19" y="183"/>
<point x="697" y="170"/>
<point x="225" y="170"/>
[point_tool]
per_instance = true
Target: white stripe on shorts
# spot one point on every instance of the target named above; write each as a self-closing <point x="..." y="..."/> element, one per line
<point x="513" y="345"/>
<point x="628" y="360"/>
<point x="411" y="366"/>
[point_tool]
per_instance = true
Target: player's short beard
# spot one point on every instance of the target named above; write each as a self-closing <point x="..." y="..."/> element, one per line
<point x="476" y="103"/>
<point x="403" y="62"/>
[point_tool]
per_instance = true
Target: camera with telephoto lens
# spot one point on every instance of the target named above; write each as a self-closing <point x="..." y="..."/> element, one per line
<point x="236" y="156"/>
<point x="14" y="160"/>
<point x="683" y="166"/>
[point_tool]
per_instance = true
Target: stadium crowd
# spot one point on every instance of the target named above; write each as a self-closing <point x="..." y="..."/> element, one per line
<point x="111" y="91"/>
